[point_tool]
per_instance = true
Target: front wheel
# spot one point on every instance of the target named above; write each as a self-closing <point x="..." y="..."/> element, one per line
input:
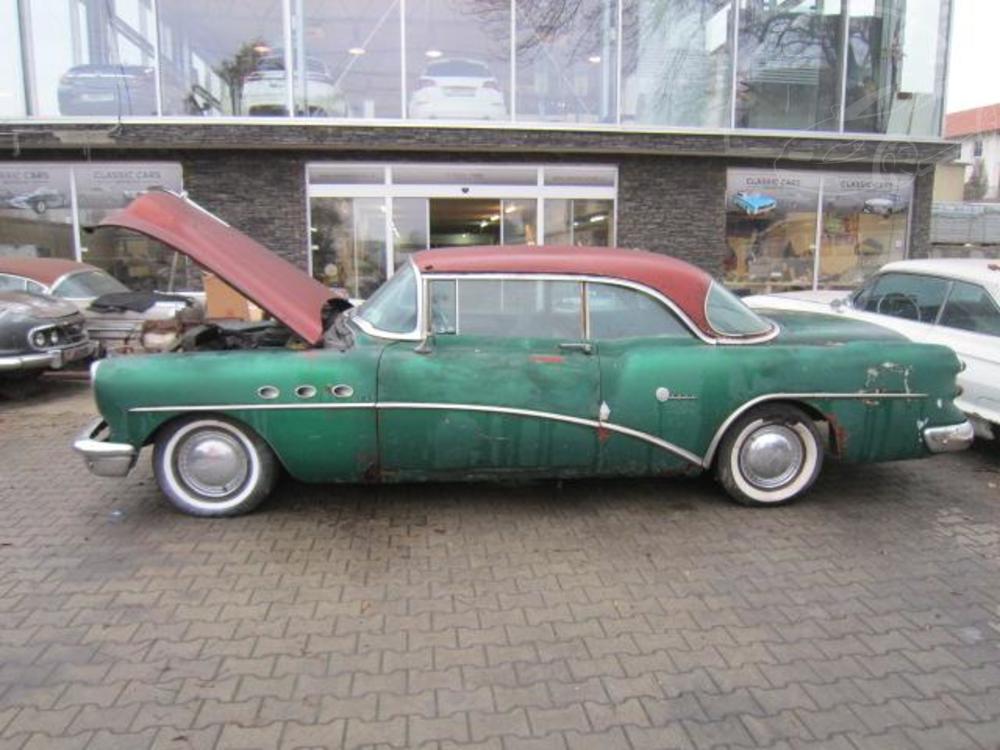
<point x="770" y="456"/>
<point x="213" y="466"/>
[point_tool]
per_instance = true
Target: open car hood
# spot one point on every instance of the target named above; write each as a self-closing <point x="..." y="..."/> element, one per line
<point x="271" y="282"/>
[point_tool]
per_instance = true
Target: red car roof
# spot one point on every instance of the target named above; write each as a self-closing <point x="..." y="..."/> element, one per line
<point x="682" y="283"/>
<point x="43" y="270"/>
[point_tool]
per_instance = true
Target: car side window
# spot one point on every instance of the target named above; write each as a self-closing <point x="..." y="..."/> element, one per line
<point x="908" y="296"/>
<point x="10" y="283"/>
<point x="971" y="308"/>
<point x="618" y="312"/>
<point x="508" y="308"/>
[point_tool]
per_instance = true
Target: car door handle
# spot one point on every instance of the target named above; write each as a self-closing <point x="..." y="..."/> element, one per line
<point x="577" y="346"/>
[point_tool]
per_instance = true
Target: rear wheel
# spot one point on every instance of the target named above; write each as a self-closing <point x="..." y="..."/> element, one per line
<point x="213" y="466"/>
<point x="770" y="456"/>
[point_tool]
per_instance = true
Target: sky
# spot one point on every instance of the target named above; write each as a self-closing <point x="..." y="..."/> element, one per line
<point x="972" y="77"/>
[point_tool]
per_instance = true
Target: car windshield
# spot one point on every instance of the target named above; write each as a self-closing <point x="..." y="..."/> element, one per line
<point x="728" y="315"/>
<point x="88" y="284"/>
<point x="457" y="68"/>
<point x="393" y="307"/>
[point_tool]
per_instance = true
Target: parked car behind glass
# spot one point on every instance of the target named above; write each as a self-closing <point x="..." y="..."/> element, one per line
<point x="115" y="90"/>
<point x="265" y="90"/>
<point x="457" y="89"/>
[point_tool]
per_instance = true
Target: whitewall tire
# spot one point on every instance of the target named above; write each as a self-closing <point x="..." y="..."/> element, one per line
<point x="213" y="466"/>
<point x="770" y="455"/>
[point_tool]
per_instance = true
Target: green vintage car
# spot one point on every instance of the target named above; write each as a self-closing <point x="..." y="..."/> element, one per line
<point x="497" y="362"/>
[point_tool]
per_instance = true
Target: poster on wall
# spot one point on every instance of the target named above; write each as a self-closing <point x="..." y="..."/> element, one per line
<point x="776" y="218"/>
<point x="771" y="228"/>
<point x="36" y="219"/>
<point x="110" y="186"/>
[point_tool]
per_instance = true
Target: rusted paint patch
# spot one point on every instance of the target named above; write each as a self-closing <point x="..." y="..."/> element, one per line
<point x="603" y="434"/>
<point x="838" y="432"/>
<point x="553" y="359"/>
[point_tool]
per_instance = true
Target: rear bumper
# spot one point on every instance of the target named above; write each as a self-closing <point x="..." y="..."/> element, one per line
<point x="103" y="458"/>
<point x="950" y="438"/>
<point x="53" y="358"/>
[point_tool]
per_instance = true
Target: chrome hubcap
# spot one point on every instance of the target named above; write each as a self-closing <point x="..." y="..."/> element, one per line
<point x="771" y="456"/>
<point x="213" y="463"/>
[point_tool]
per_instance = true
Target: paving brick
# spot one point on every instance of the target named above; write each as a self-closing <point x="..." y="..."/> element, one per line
<point x="546" y="720"/>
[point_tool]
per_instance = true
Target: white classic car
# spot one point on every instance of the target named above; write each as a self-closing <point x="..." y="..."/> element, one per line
<point x="955" y="302"/>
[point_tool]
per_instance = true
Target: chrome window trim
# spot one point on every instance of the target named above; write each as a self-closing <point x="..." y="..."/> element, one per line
<point x="417" y="334"/>
<point x="584" y="279"/>
<point x="751" y="338"/>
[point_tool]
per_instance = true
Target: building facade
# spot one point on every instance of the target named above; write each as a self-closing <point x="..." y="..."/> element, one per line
<point x="777" y="143"/>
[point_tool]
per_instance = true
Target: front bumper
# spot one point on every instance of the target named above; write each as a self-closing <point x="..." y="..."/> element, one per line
<point x="103" y="458"/>
<point x="950" y="438"/>
<point x="53" y="358"/>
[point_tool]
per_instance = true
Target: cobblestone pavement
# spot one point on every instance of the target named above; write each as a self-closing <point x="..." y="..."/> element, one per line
<point x="589" y="615"/>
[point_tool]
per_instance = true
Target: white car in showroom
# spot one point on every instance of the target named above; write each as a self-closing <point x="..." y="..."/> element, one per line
<point x="264" y="90"/>
<point x="955" y="302"/>
<point x="457" y="89"/>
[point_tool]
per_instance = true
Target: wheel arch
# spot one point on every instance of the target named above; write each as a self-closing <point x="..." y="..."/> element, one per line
<point x="185" y="416"/>
<point x="817" y="415"/>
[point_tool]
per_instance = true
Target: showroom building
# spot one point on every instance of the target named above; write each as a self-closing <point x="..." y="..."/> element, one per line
<point x="776" y="143"/>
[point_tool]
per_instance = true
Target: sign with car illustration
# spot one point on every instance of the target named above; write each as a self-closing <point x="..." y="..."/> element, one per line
<point x="495" y="362"/>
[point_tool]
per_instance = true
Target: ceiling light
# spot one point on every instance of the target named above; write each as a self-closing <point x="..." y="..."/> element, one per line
<point x="598" y="217"/>
<point x="594" y="59"/>
<point x="511" y="208"/>
<point x="356" y="51"/>
<point x="433" y="54"/>
<point x="261" y="49"/>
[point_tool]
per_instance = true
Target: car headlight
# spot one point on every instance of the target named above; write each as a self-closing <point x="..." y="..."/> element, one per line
<point x="54" y="336"/>
<point x="38" y="339"/>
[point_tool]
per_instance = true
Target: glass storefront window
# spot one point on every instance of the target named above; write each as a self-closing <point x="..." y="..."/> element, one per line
<point x="865" y="65"/>
<point x="36" y="220"/>
<point x="771" y="229"/>
<point x="134" y="259"/>
<point x="579" y="222"/>
<point x="788" y="68"/>
<point x="567" y="60"/>
<point x="895" y="66"/>
<point x="11" y="76"/>
<point x="347" y="61"/>
<point x="348" y="243"/>
<point x="519" y="222"/>
<point x="677" y="62"/>
<point x="36" y="215"/>
<point x="864" y="226"/>
<point x="91" y="57"/>
<point x="235" y="66"/>
<point x="774" y="218"/>
<point x="410" y="227"/>
<point x="368" y="218"/>
<point x="457" y="60"/>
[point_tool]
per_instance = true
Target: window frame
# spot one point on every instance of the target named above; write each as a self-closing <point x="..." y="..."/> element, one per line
<point x="584" y="280"/>
<point x="872" y="282"/>
<point x="947" y="298"/>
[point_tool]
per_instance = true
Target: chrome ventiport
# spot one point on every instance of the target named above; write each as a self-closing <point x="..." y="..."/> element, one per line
<point x="268" y="392"/>
<point x="342" y="390"/>
<point x="305" y="391"/>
